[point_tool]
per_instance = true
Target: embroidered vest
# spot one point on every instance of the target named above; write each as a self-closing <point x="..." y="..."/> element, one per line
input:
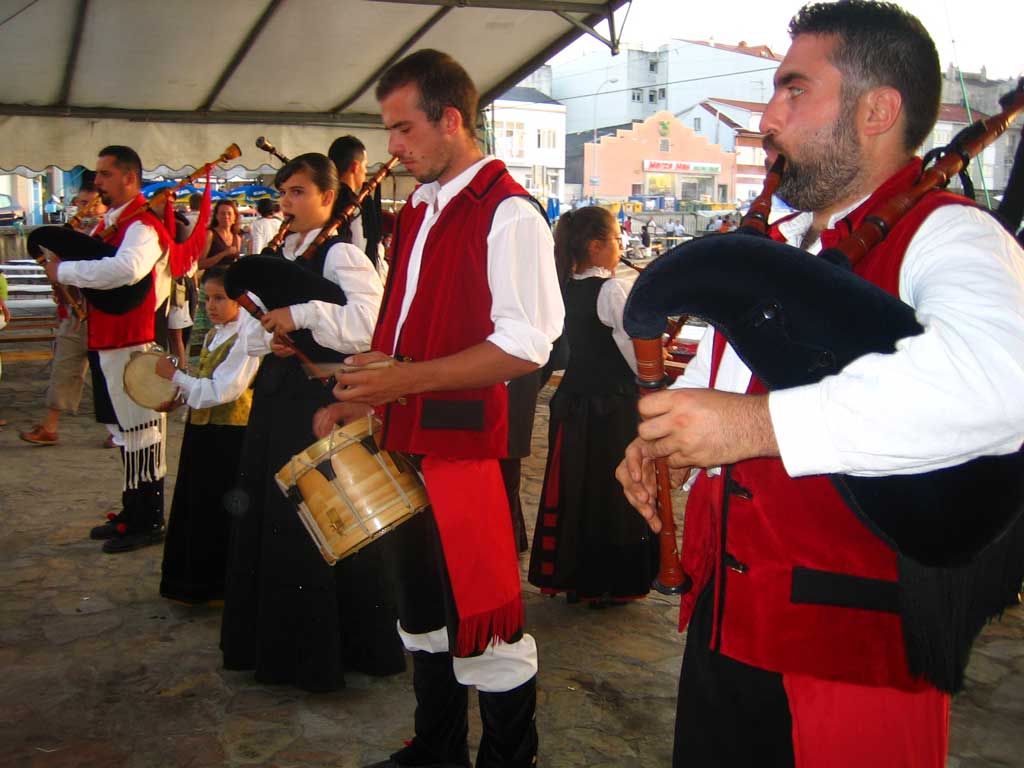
<point x="234" y="413"/>
<point x="136" y="326"/>
<point x="449" y="313"/>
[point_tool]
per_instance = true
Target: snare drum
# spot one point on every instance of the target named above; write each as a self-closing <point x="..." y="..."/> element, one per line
<point x="348" y="491"/>
<point x="145" y="386"/>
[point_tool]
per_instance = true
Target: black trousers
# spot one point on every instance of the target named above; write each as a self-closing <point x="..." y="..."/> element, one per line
<point x="728" y="714"/>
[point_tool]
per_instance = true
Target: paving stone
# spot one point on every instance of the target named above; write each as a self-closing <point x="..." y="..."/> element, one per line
<point x="984" y="670"/>
<point x="127" y="679"/>
<point x="1009" y="696"/>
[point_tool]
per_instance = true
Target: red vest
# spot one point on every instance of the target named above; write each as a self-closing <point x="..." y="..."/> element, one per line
<point x="450" y="312"/>
<point x="136" y="326"/>
<point x="801" y="585"/>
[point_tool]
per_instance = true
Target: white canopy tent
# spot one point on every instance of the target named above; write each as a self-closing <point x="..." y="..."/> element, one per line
<point x="180" y="81"/>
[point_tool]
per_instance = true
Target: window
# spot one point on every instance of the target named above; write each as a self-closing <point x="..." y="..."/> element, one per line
<point x="638" y="94"/>
<point x="546" y="138"/>
<point x="652" y="96"/>
<point x="636" y="190"/>
<point x="653" y="65"/>
<point x="663" y="145"/>
<point x="696" y="124"/>
<point x="661" y="93"/>
<point x="509" y="139"/>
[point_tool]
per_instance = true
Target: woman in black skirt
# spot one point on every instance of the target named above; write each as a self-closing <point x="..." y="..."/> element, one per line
<point x="588" y="540"/>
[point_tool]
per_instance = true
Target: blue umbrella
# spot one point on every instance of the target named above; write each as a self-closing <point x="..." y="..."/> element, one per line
<point x="622" y="214"/>
<point x="151" y="189"/>
<point x="253" y="192"/>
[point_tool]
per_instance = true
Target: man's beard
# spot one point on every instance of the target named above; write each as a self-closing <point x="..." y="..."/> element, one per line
<point x="829" y="165"/>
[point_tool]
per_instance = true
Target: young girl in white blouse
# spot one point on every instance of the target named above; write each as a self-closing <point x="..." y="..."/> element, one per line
<point x="219" y="398"/>
<point x="586" y="542"/>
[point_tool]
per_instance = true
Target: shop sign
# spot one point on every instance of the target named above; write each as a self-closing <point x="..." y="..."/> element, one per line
<point x="681" y="166"/>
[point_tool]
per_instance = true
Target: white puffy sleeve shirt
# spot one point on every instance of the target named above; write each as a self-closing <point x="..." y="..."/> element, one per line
<point x="230" y="378"/>
<point x="950" y="394"/>
<point x="526" y="303"/>
<point x="348" y="328"/>
<point x="135" y="258"/>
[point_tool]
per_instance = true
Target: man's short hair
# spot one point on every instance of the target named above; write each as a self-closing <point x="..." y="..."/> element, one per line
<point x="87" y="181"/>
<point x="266" y="207"/>
<point x="195" y="201"/>
<point x="880" y="44"/>
<point x="344" y="151"/>
<point x="441" y="81"/>
<point x="125" y="158"/>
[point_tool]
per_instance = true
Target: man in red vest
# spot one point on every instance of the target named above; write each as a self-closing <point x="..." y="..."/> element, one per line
<point x="799" y="619"/>
<point x="141" y="242"/>
<point x="472" y="302"/>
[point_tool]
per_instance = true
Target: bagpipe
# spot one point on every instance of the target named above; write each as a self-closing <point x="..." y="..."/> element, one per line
<point x="279" y="283"/>
<point x="793" y="319"/>
<point x="70" y="245"/>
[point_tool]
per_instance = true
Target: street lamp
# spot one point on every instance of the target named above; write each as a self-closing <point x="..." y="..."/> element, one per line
<point x="595" y="180"/>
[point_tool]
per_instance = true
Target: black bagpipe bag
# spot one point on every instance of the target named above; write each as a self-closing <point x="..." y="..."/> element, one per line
<point x="70" y="245"/>
<point x="795" y="318"/>
<point x="281" y="283"/>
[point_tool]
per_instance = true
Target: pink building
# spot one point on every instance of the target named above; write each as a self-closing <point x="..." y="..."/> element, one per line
<point x="660" y="156"/>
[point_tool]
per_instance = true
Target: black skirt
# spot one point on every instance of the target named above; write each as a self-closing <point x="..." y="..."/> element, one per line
<point x="288" y="615"/>
<point x="196" y="547"/>
<point x="588" y="539"/>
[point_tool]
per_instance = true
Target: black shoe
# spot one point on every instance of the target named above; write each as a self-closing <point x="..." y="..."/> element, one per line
<point x="127" y="542"/>
<point x="109" y="529"/>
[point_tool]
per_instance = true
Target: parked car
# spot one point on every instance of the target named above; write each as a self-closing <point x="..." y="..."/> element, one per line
<point x="10" y="212"/>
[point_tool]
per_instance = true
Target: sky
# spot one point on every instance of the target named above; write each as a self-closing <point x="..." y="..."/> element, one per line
<point x="987" y="31"/>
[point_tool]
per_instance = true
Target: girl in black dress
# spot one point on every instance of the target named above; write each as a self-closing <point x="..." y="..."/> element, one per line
<point x="287" y="614"/>
<point x="588" y="540"/>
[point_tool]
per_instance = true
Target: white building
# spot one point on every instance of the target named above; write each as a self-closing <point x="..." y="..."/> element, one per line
<point x="527" y="129"/>
<point x="603" y="93"/>
<point x="600" y="90"/>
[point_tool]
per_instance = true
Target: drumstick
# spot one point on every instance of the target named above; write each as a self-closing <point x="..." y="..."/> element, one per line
<point x="314" y="370"/>
<point x="333" y="369"/>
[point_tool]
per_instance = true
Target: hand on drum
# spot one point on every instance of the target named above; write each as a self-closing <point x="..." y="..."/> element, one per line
<point x="166" y="366"/>
<point x="329" y="416"/>
<point x="280" y="349"/>
<point x="377" y="385"/>
<point x="278" y="321"/>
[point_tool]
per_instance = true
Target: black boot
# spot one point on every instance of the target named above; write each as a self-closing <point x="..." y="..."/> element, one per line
<point x="142" y="519"/>
<point x="109" y="529"/>
<point x="510" y="730"/>
<point x="115" y="522"/>
<point x="442" y="722"/>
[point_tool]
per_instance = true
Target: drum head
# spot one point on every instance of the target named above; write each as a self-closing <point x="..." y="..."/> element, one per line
<point x="144" y="385"/>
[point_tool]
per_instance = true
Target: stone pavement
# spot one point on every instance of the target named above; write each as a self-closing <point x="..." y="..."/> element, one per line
<point x="98" y="670"/>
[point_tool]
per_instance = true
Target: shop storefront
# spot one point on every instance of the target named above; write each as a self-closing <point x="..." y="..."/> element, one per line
<point x="661" y="160"/>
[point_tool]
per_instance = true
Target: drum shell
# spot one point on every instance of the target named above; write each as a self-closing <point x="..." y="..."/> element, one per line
<point x="348" y="492"/>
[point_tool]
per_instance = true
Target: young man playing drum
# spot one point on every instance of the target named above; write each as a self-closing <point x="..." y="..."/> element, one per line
<point x="805" y="632"/>
<point x="141" y="241"/>
<point x="472" y="303"/>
